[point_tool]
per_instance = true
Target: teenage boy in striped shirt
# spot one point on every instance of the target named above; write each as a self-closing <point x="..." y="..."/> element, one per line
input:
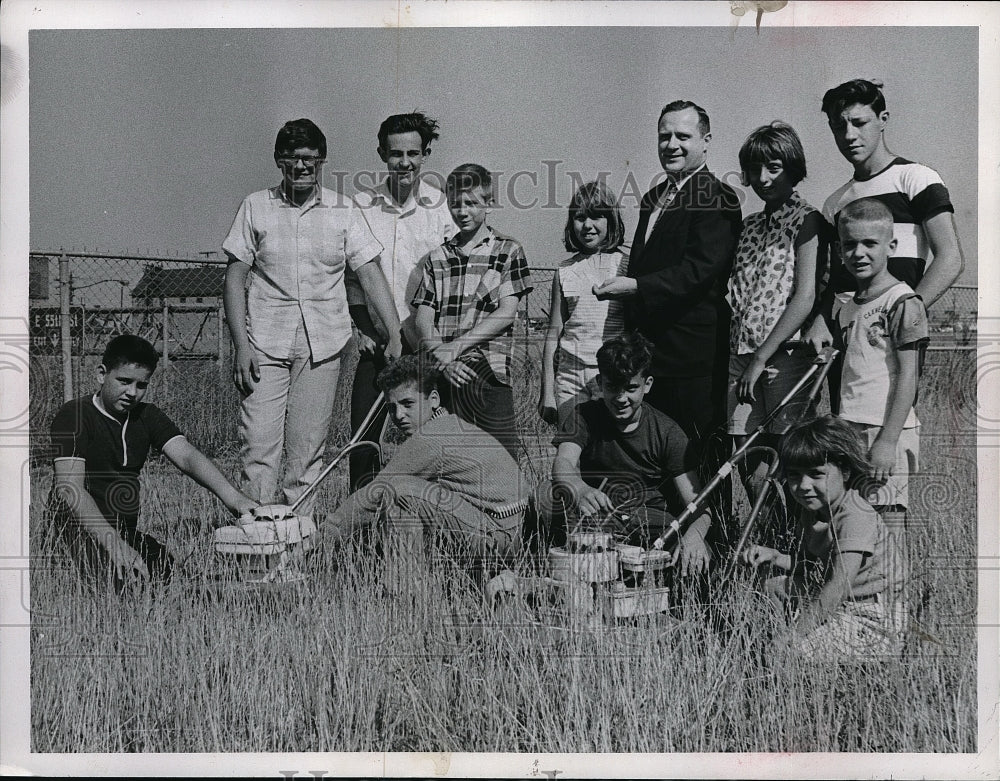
<point x="927" y="255"/>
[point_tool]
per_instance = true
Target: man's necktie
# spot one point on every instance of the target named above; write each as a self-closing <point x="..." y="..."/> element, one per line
<point x="665" y="199"/>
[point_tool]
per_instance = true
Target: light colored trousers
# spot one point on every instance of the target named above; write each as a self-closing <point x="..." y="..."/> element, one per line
<point x="291" y="405"/>
<point x="872" y="628"/>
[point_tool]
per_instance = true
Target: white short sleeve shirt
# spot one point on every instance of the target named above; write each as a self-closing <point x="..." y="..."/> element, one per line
<point x="298" y="256"/>
<point x="407" y="232"/>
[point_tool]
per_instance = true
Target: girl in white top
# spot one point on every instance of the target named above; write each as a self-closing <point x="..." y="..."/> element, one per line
<point x="578" y="323"/>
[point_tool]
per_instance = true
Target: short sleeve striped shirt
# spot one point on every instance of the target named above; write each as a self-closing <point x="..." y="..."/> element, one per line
<point x="462" y="289"/>
<point x="913" y="193"/>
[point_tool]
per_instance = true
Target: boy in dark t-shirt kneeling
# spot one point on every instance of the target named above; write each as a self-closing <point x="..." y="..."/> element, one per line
<point x="617" y="456"/>
<point x="100" y="443"/>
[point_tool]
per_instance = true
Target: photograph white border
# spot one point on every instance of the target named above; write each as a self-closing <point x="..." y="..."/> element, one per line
<point x="18" y="17"/>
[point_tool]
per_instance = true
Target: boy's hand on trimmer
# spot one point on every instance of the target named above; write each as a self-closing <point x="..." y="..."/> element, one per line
<point x="593" y="501"/>
<point x="883" y="458"/>
<point x="694" y="556"/>
<point x="244" y="506"/>
<point x="818" y="335"/>
<point x="757" y="555"/>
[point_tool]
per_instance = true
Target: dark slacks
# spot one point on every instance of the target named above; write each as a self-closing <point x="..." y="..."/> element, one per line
<point x="364" y="462"/>
<point x="696" y="404"/>
<point x="91" y="560"/>
<point x="489" y="404"/>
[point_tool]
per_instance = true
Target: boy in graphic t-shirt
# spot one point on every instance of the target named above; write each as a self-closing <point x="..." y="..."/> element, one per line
<point x="881" y="330"/>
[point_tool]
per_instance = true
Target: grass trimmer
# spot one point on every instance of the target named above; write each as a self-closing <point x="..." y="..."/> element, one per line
<point x="267" y="544"/>
<point x="820" y="366"/>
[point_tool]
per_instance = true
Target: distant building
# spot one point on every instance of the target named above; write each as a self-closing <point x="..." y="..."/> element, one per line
<point x="180" y="288"/>
<point x="193" y="296"/>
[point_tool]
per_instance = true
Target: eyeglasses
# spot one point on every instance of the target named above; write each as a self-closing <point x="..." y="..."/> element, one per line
<point x="308" y="162"/>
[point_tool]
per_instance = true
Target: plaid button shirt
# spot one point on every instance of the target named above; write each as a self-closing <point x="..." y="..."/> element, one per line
<point x="463" y="289"/>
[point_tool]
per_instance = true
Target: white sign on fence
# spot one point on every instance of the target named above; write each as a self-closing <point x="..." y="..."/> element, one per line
<point x="46" y="330"/>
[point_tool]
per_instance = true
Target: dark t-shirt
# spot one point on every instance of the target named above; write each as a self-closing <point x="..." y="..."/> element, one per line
<point x="114" y="451"/>
<point x="640" y="465"/>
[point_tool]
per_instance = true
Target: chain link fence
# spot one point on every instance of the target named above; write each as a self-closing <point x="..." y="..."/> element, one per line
<point x="80" y="300"/>
<point x="174" y="303"/>
<point x="953" y="319"/>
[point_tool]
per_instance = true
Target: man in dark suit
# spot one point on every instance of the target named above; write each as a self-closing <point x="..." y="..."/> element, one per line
<point x="680" y="261"/>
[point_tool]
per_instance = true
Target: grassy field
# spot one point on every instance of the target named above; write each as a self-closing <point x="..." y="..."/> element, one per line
<point x="333" y="665"/>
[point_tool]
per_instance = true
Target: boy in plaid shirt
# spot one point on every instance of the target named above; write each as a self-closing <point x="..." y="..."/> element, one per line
<point x="465" y="305"/>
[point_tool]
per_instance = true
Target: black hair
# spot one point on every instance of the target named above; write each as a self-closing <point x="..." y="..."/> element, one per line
<point x="417" y="369"/>
<point x="623" y="357"/>
<point x="854" y="92"/>
<point x="774" y="141"/>
<point x="408" y="123"/>
<point x="298" y="133"/>
<point x="127" y="349"/>
<point x="826" y="439"/>
<point x="704" y="124"/>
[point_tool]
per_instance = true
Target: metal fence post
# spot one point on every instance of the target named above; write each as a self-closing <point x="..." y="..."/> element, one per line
<point x="82" y="357"/>
<point x="221" y="352"/>
<point x="166" y="332"/>
<point x="64" y="327"/>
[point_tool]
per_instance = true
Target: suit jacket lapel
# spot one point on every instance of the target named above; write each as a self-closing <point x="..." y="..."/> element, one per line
<point x="645" y="211"/>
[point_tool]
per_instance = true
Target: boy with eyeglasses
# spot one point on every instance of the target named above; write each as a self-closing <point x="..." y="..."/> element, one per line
<point x="291" y="324"/>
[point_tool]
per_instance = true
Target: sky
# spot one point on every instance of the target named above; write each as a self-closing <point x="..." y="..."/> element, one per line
<point x="147" y="140"/>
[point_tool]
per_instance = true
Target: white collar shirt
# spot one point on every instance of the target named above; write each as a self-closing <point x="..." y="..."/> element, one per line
<point x="407" y="232"/>
<point x="654" y="213"/>
<point x="298" y="256"/>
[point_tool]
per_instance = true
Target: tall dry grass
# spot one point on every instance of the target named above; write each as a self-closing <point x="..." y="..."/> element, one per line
<point x="336" y="664"/>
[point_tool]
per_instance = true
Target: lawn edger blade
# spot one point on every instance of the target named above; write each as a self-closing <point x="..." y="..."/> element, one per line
<point x="268" y="544"/>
